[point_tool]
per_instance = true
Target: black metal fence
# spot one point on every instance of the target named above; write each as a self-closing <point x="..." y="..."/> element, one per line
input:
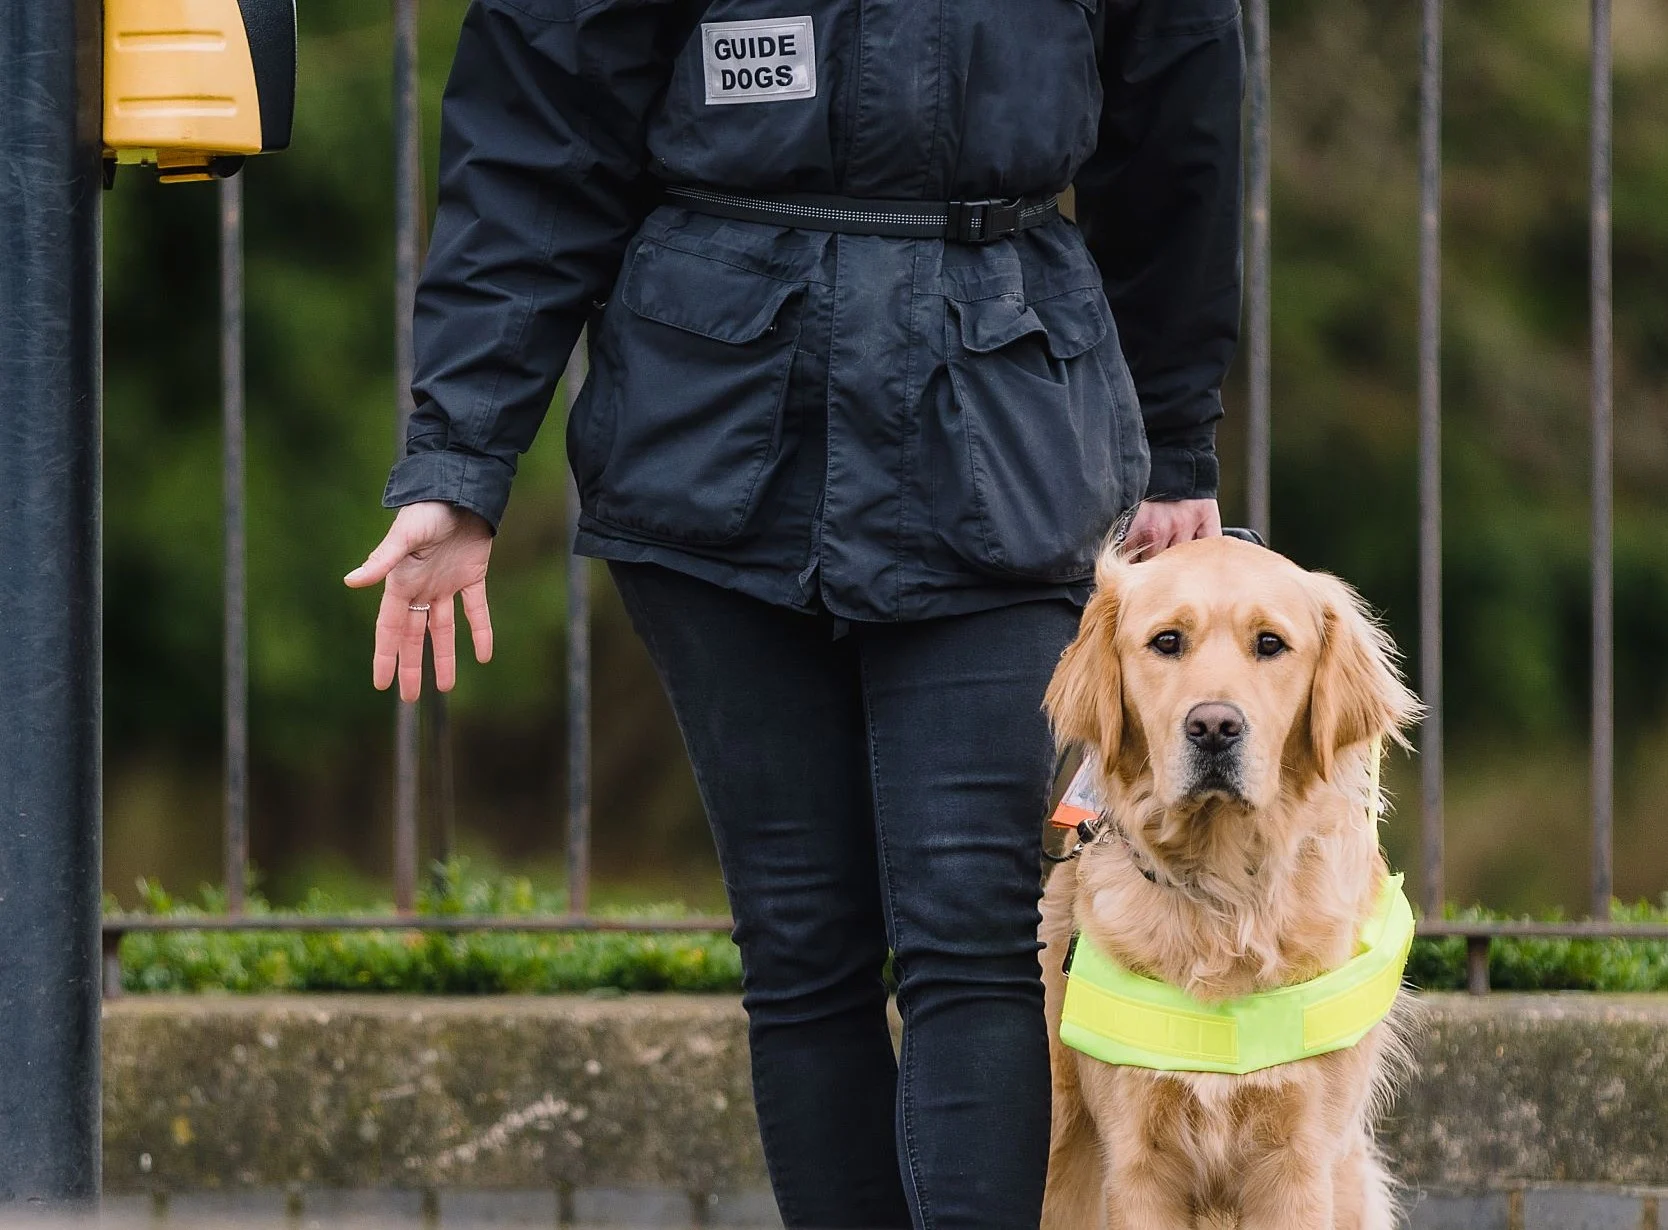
<point x="414" y="754"/>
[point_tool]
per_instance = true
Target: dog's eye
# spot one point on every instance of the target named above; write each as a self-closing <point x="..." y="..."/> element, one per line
<point x="1167" y="643"/>
<point x="1270" y="646"/>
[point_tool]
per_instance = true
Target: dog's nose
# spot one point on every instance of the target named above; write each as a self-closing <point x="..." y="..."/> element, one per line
<point x="1215" y="726"/>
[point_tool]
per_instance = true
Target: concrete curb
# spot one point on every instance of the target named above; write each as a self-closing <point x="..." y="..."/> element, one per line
<point x="1530" y="1207"/>
<point x="579" y="1093"/>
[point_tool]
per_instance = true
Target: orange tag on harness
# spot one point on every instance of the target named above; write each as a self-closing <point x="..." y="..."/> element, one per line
<point x="1080" y="802"/>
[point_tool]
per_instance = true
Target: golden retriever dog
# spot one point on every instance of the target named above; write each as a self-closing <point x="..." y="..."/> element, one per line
<point x="1235" y="705"/>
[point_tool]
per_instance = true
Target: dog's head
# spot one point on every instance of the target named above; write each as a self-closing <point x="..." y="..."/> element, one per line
<point x="1224" y="672"/>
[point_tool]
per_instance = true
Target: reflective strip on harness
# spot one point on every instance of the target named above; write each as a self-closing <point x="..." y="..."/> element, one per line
<point x="1157" y="1029"/>
<point x="1120" y="1017"/>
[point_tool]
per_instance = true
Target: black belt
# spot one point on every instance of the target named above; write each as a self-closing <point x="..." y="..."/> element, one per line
<point x="953" y="221"/>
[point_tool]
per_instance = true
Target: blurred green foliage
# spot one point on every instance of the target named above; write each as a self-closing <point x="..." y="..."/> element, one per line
<point x="321" y="407"/>
<point x="437" y="964"/>
<point x="431" y="963"/>
<point x="1549" y="964"/>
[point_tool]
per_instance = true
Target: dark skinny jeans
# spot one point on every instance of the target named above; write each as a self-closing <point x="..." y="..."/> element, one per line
<point x="875" y="787"/>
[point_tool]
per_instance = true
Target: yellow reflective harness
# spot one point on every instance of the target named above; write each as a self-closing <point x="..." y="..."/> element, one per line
<point x="1123" y="1018"/>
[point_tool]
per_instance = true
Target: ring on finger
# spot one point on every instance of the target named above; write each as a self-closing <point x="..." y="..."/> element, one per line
<point x="421" y="608"/>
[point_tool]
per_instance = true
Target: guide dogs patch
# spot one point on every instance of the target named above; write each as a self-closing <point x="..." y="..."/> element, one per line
<point x="759" y="61"/>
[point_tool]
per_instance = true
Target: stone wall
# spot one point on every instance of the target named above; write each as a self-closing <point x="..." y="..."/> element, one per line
<point x="359" y="1092"/>
<point x="577" y="1095"/>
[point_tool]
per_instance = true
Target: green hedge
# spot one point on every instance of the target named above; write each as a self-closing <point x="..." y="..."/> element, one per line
<point x="407" y="961"/>
<point x="415" y="962"/>
<point x="1549" y="964"/>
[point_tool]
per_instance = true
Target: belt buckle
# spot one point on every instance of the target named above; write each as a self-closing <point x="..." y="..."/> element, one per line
<point x="982" y="221"/>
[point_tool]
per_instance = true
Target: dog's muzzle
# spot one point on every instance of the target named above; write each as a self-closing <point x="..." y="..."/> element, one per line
<point x="1216" y="740"/>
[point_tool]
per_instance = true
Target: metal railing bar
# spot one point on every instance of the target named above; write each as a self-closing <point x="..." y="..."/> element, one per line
<point x="443" y="794"/>
<point x="1430" y="453"/>
<point x="406" y="153"/>
<point x="235" y="668"/>
<point x="579" y="680"/>
<point x="406" y="734"/>
<point x="1476" y="964"/>
<point x="1603" y="702"/>
<point x="110" y="954"/>
<point x="1575" y="929"/>
<point x="408" y="922"/>
<point x="1258" y="258"/>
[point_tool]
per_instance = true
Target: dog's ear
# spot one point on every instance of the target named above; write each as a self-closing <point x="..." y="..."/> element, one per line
<point x="1358" y="693"/>
<point x="1085" y="699"/>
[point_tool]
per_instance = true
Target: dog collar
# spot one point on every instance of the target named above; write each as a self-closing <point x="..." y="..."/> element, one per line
<point x="1150" y="874"/>
<point x="1120" y="1017"/>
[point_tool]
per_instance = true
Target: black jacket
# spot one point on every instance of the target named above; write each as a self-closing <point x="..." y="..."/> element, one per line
<point x="884" y="428"/>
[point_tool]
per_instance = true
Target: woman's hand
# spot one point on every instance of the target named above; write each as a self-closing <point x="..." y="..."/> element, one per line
<point x="433" y="552"/>
<point x="1164" y="523"/>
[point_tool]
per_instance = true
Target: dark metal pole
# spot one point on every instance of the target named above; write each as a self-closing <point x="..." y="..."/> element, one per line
<point x="1258" y="432"/>
<point x="236" y="667"/>
<point x="443" y="789"/>
<point x="1604" y="747"/>
<point x="444" y="796"/>
<point x="406" y="150"/>
<point x="406" y="732"/>
<point x="1476" y="964"/>
<point x="51" y="622"/>
<point x="579" y="686"/>
<point x="1430" y="451"/>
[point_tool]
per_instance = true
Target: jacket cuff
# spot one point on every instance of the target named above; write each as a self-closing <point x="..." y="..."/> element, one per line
<point x="1183" y="474"/>
<point x="469" y="480"/>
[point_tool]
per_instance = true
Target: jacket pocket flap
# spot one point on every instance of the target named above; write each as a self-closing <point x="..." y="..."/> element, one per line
<point x="990" y="324"/>
<point x="1071" y="323"/>
<point x="702" y="296"/>
<point x="1076" y="321"/>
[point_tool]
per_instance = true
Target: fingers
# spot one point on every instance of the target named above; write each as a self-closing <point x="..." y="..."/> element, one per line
<point x="399" y="644"/>
<point x="413" y="625"/>
<point x="480" y="620"/>
<point x="443" y="636"/>
<point x="1209" y="524"/>
<point x="1146" y="532"/>
<point x="1159" y="525"/>
<point x="1138" y="546"/>
<point x="400" y="636"/>
<point x="394" y="547"/>
<point x="423" y="557"/>
<point x="390" y="627"/>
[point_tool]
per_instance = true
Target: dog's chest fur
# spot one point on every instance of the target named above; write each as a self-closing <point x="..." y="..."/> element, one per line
<point x="1241" y="913"/>
<point x="1210" y="1133"/>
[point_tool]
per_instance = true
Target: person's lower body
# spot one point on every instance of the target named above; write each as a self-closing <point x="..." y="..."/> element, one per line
<point x="875" y="787"/>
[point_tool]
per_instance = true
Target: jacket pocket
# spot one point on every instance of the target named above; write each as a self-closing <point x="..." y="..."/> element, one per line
<point x="693" y="362"/>
<point x="1046" y="415"/>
